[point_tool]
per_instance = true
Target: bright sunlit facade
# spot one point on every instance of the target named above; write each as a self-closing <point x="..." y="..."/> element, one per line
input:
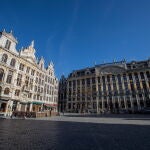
<point x="25" y="84"/>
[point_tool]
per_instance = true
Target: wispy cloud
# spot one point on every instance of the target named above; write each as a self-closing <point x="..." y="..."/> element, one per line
<point x="109" y="8"/>
<point x="70" y="28"/>
<point x="67" y="37"/>
<point x="49" y="41"/>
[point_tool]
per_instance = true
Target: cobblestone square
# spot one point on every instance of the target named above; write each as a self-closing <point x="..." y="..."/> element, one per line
<point x="76" y="132"/>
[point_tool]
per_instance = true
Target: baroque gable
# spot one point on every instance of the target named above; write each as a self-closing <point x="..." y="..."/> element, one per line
<point x="112" y="69"/>
<point x="10" y="36"/>
<point x="29" y="53"/>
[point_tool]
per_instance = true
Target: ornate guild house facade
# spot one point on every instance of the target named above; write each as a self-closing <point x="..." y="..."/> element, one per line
<point x="25" y="85"/>
<point x="113" y="87"/>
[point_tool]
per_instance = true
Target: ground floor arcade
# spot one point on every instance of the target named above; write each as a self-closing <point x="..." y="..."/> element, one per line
<point x="9" y="107"/>
<point x="113" y="104"/>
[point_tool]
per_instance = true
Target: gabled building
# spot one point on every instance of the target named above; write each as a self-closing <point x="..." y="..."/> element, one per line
<point x="25" y="84"/>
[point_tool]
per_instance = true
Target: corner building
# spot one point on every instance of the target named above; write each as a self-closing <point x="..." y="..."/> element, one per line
<point x="25" y="85"/>
<point x="112" y="87"/>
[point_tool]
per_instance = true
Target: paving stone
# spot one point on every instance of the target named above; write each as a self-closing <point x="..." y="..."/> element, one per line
<point x="62" y="133"/>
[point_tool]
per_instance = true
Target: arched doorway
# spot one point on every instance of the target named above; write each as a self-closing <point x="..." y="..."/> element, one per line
<point x="3" y="106"/>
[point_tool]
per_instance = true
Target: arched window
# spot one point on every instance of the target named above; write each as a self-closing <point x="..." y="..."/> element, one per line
<point x="9" y="77"/>
<point x="1" y="74"/>
<point x="13" y="62"/>
<point x="8" y="43"/>
<point x="0" y="89"/>
<point x="6" y="91"/>
<point x="4" y="58"/>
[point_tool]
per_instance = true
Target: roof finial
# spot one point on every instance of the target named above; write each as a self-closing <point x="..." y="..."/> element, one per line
<point x="32" y="43"/>
<point x="124" y="60"/>
<point x="51" y="64"/>
<point x="4" y="30"/>
<point x="114" y="60"/>
<point x="11" y="31"/>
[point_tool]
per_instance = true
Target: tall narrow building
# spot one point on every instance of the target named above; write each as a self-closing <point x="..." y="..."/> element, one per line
<point x="25" y="84"/>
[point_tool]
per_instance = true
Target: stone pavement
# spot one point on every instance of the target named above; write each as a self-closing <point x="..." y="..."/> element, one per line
<point x="107" y="119"/>
<point x="76" y="132"/>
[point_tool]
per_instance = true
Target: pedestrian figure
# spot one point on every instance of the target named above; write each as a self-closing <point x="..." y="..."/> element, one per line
<point x="24" y="116"/>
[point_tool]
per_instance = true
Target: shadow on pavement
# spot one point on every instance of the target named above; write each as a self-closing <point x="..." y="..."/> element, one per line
<point x="110" y="115"/>
<point x="54" y="135"/>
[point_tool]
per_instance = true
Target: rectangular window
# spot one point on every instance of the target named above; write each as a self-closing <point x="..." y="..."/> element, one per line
<point x="19" y="79"/>
<point x="28" y="70"/>
<point x="21" y="67"/>
<point x="88" y="81"/>
<point x="29" y="95"/>
<point x="7" y="45"/>
<point x="32" y="72"/>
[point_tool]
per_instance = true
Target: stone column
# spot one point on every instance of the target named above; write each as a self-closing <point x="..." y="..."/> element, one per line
<point x="76" y="91"/>
<point x="67" y="96"/>
<point x="141" y="86"/>
<point x="30" y="108"/>
<point x="85" y="92"/>
<point x="18" y="106"/>
<point x="138" y="103"/>
<point x="119" y="103"/>
<point x="81" y="97"/>
<point x="108" y="105"/>
<point x="113" y="101"/>
<point x="144" y="100"/>
<point x="25" y="108"/>
<point x="102" y="93"/>
<point x="146" y="80"/>
<point x="97" y="95"/>
<point x="131" y="101"/>
<point x="128" y="82"/>
<point x="102" y="103"/>
<point x="5" y="75"/>
<point x="91" y="91"/>
<point x="125" y="102"/>
<point x="134" y="82"/>
<point x="71" y="96"/>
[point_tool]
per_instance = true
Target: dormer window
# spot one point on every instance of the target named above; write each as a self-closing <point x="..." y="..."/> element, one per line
<point x="7" y="45"/>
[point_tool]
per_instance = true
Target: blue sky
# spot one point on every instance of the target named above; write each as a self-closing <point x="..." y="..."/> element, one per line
<point x="79" y="33"/>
